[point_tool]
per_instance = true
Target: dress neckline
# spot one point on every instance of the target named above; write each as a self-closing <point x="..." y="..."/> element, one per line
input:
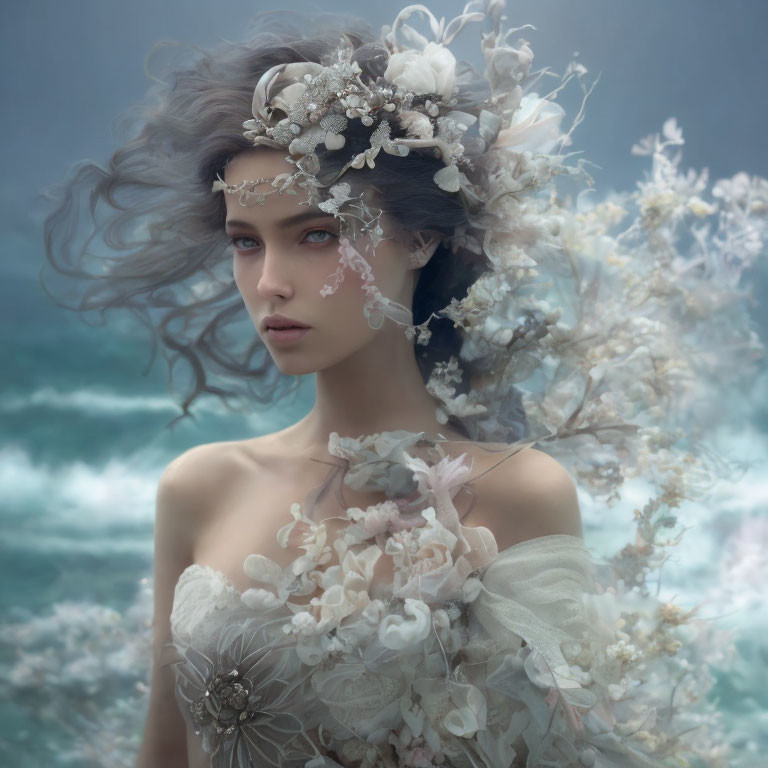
<point x="536" y="541"/>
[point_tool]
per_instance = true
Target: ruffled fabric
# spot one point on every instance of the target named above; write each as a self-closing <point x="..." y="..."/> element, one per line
<point x="470" y="657"/>
<point x="201" y="593"/>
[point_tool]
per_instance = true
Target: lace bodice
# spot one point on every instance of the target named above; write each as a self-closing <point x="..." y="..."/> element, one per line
<point x="202" y="597"/>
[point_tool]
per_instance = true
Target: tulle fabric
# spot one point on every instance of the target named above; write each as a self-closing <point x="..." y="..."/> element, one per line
<point x="470" y="657"/>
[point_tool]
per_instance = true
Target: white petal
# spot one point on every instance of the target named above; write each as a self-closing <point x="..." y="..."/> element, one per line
<point x="260" y="568"/>
<point x="334" y="140"/>
<point x="448" y="178"/>
<point x="398" y="632"/>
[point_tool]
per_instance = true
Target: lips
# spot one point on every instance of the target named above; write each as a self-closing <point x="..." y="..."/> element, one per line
<point x="280" y="322"/>
<point x="283" y="336"/>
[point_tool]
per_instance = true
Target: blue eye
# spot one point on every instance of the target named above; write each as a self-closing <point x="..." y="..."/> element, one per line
<point x="239" y="245"/>
<point x="322" y="232"/>
<point x="235" y="240"/>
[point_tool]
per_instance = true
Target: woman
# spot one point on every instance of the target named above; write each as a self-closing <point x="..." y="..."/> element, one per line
<point x="439" y="606"/>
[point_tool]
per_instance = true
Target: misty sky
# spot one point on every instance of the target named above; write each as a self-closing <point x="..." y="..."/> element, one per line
<point x="70" y="67"/>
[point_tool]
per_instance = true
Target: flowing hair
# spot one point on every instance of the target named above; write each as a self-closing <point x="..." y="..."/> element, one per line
<point x="146" y="234"/>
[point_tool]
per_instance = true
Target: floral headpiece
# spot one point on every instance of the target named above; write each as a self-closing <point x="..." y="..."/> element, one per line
<point x="620" y="327"/>
<point x="421" y="90"/>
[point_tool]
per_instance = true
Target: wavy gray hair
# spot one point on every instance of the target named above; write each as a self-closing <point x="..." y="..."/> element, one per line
<point x="146" y="233"/>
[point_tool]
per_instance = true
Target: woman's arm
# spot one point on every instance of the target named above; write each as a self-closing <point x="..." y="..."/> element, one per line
<point x="179" y="506"/>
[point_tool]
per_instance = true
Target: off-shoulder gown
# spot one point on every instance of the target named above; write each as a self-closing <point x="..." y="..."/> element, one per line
<point x="469" y="657"/>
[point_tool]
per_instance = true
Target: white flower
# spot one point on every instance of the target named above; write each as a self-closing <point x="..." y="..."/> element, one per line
<point x="302" y="623"/>
<point x="345" y="588"/>
<point x="700" y="208"/>
<point x="313" y="539"/>
<point x="424" y="562"/>
<point x="432" y="70"/>
<point x="337" y="602"/>
<point x="470" y="713"/>
<point x="399" y="632"/>
<point x="239" y="701"/>
<point x="352" y="631"/>
<point x="416" y="124"/>
<point x="505" y="64"/>
<point x="452" y="707"/>
<point x="442" y="476"/>
<point x="535" y="126"/>
<point x="262" y="569"/>
<point x="617" y="691"/>
<point x="448" y="178"/>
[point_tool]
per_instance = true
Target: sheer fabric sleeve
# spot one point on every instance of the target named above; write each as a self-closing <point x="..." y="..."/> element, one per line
<point x="549" y="666"/>
<point x="534" y="592"/>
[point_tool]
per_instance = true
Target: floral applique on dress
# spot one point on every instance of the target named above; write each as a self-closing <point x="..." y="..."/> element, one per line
<point x="471" y="657"/>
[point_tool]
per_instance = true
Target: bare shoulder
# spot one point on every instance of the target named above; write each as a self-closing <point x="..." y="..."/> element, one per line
<point x="529" y="494"/>
<point x="201" y="467"/>
<point x="192" y="481"/>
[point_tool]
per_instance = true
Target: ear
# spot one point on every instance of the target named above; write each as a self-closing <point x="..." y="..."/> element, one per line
<point x="424" y="248"/>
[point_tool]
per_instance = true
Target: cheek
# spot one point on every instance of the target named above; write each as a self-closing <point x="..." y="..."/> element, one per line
<point x="246" y="281"/>
<point x="346" y="304"/>
<point x="239" y="277"/>
<point x="239" y="273"/>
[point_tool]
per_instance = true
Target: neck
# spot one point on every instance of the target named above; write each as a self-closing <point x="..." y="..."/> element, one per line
<point x="378" y="389"/>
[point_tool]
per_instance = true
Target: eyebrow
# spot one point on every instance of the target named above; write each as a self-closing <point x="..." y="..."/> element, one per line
<point x="284" y="223"/>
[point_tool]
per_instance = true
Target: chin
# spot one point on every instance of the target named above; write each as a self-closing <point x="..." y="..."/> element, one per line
<point x="293" y="367"/>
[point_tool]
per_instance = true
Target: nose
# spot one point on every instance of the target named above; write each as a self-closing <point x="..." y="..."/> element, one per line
<point x="274" y="280"/>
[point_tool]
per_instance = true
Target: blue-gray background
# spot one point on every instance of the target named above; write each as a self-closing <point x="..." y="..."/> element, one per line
<point x="82" y="440"/>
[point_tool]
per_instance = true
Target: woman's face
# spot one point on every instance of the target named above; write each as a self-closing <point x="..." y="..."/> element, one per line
<point x="281" y="262"/>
